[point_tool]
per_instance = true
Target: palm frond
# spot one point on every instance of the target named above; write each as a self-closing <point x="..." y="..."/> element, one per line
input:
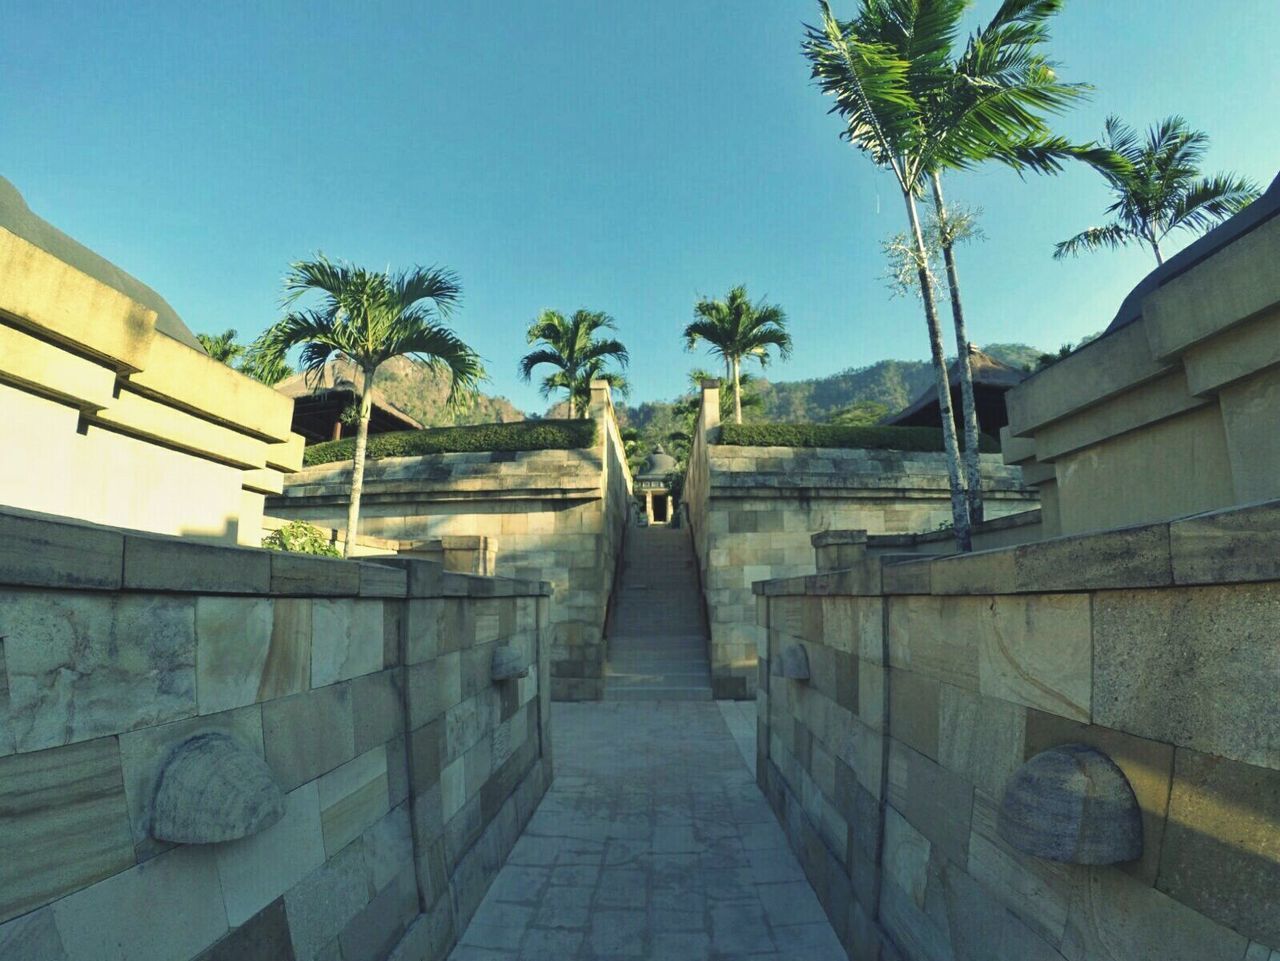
<point x="536" y="358"/>
<point x="1110" y="236"/>
<point x="1210" y="200"/>
<point x="439" y="285"/>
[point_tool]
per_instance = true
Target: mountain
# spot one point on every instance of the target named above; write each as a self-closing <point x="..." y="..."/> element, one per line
<point x="894" y="383"/>
<point x="422" y="393"/>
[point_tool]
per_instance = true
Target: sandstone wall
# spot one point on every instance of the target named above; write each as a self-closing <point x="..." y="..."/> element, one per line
<point x="933" y="681"/>
<point x="754" y="509"/>
<point x="407" y="773"/>
<point x="556" y="515"/>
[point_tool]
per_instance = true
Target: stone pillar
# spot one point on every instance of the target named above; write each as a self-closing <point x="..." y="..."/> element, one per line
<point x="671" y="507"/>
<point x="709" y="414"/>
<point x="838" y="550"/>
<point x="648" y="505"/>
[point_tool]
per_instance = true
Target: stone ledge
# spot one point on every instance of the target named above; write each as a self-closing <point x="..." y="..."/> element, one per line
<point x="1237" y="544"/>
<point x="37" y="550"/>
<point x="382" y="580"/>
<point x="153" y="563"/>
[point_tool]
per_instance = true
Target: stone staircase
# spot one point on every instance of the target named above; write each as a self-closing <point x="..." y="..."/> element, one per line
<point x="657" y="630"/>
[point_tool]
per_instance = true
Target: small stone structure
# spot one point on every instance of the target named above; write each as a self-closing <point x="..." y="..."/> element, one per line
<point x="324" y="736"/>
<point x="654" y="483"/>
<point x="753" y="511"/>
<point x="111" y="406"/>
<point x="553" y="515"/>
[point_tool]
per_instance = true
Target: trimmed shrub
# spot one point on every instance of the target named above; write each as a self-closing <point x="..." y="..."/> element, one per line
<point x="928" y="439"/>
<point x="299" y="537"/>
<point x="522" y="435"/>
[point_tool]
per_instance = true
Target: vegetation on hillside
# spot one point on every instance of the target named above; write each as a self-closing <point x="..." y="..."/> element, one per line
<point x="525" y="435"/>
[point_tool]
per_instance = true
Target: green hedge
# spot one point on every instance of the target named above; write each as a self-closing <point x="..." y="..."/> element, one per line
<point x="522" y="435"/>
<point x="836" y="435"/>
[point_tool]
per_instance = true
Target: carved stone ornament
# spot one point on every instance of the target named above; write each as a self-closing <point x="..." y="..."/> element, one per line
<point x="508" y="664"/>
<point x="212" y="789"/>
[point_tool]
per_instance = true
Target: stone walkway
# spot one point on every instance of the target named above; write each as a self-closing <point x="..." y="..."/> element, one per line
<point x="653" y="842"/>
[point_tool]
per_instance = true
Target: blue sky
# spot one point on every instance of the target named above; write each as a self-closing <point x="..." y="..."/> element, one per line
<point x="559" y="154"/>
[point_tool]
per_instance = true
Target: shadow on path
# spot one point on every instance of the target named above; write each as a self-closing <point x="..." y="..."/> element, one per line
<point x="653" y="842"/>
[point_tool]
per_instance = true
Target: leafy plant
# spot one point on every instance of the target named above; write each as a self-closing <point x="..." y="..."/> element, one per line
<point x="299" y="537"/>
<point x="836" y="435"/>
<point x="736" y="329"/>
<point x="518" y="436"/>
<point x="578" y="356"/>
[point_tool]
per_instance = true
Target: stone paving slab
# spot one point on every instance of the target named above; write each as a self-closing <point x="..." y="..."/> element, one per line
<point x="653" y="843"/>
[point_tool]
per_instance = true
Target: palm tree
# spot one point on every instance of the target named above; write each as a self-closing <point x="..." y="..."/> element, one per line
<point x="268" y="370"/>
<point x="370" y="317"/>
<point x="917" y="111"/>
<point x="736" y="329"/>
<point x="221" y="347"/>
<point x="578" y="356"/>
<point x="1161" y="190"/>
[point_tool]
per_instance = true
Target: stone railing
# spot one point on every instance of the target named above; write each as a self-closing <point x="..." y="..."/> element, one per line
<point x="230" y="753"/>
<point x="1067" y="749"/>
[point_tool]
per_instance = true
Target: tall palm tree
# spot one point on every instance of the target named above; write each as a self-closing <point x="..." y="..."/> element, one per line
<point x="917" y="110"/>
<point x="371" y="317"/>
<point x="735" y="329"/>
<point x="222" y="347"/>
<point x="1161" y="190"/>
<point x="571" y="346"/>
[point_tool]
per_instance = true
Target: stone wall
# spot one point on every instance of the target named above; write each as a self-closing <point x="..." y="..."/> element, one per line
<point x="932" y="682"/>
<point x="112" y="411"/>
<point x="555" y="515"/>
<point x="753" y="510"/>
<point x="356" y="697"/>
<point x="1172" y="410"/>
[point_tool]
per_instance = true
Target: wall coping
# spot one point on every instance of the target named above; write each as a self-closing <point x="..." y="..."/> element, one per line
<point x="45" y="551"/>
<point x="1232" y="545"/>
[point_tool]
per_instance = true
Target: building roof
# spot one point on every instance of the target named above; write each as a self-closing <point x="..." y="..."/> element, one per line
<point x="994" y="375"/>
<point x="336" y="386"/>
<point x="16" y="217"/>
<point x="660" y="464"/>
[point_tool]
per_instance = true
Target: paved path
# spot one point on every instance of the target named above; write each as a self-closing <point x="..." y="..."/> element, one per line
<point x="653" y="842"/>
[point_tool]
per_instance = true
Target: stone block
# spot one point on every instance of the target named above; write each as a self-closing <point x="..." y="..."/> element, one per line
<point x="1125" y="557"/>
<point x="433" y="688"/>
<point x="1194" y="667"/>
<point x="382" y="580"/>
<point x="937" y="637"/>
<point x="41" y="552"/>
<point x="377" y="704"/>
<point x="913" y="711"/>
<point x="908" y="577"/>
<point x="50" y="799"/>
<point x="255" y="871"/>
<point x="352" y="798"/>
<point x="981" y="572"/>
<point x="309" y="576"/>
<point x="326" y="900"/>
<point x="84" y="665"/>
<point x="374" y="932"/>
<point x="171" y="564"/>
<point x="308" y="734"/>
<point x="388" y="847"/>
<point x="1038" y="652"/>
<point x="1148" y="766"/>
<point x="1113" y="915"/>
<point x="980" y="738"/>
<point x="288" y="666"/>
<point x="143" y="754"/>
<point x="1221" y="851"/>
<point x="936" y="802"/>
<point x="264" y="937"/>
<point x="423" y="629"/>
<point x="906" y="856"/>
<point x="1237" y="544"/>
<point x="981" y="928"/>
<point x="233" y="638"/>
<point x="346" y="640"/>
<point x="176" y="893"/>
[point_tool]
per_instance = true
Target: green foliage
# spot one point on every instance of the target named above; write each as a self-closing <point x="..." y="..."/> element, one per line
<point x="523" y="435"/>
<point x="1158" y="189"/>
<point x="836" y="435"/>
<point x="578" y="356"/>
<point x="221" y="347"/>
<point x="299" y="537"/>
<point x="865" y="413"/>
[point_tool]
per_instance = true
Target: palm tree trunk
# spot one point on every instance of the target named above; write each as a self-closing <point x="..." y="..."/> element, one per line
<point x="972" y="465"/>
<point x="959" y="507"/>
<point x="357" y="465"/>
<point x="737" y="390"/>
<point x="1155" y="246"/>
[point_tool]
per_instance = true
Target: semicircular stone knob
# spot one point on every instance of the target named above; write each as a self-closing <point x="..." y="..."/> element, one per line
<point x="792" y="663"/>
<point x="212" y="789"/>
<point x="1072" y="803"/>
<point x="508" y="664"/>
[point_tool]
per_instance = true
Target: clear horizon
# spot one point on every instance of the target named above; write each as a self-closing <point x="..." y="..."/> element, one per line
<point x="557" y="158"/>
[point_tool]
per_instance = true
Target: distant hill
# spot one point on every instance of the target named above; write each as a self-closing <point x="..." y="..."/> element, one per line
<point x="894" y="383"/>
<point x="422" y="394"/>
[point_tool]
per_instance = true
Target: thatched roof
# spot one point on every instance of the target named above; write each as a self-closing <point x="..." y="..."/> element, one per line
<point x="336" y="385"/>
<point x="990" y="376"/>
